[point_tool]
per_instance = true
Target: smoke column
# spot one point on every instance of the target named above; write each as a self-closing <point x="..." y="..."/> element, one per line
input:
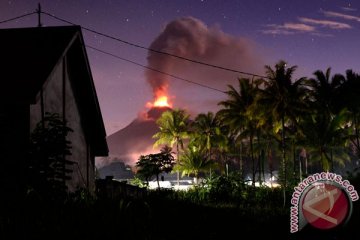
<point x="190" y="38"/>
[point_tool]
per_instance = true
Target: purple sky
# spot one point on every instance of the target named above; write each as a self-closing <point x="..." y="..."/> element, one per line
<point x="241" y="34"/>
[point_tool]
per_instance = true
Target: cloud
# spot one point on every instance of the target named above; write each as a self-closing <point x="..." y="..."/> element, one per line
<point x="312" y="26"/>
<point x="341" y="15"/>
<point x="326" y="23"/>
<point x="277" y="32"/>
<point x="349" y="9"/>
<point x="319" y="34"/>
<point x="298" y="27"/>
<point x="288" y="28"/>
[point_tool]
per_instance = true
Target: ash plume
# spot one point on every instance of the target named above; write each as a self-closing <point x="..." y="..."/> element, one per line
<point x="190" y="38"/>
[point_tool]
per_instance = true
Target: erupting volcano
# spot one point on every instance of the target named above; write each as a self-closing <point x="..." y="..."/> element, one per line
<point x="136" y="139"/>
<point x="186" y="37"/>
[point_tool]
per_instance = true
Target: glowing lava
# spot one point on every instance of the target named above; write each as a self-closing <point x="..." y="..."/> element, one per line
<point x="160" y="101"/>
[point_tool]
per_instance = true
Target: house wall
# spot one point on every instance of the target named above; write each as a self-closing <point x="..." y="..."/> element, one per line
<point x="58" y="97"/>
<point x="14" y="135"/>
<point x="80" y="150"/>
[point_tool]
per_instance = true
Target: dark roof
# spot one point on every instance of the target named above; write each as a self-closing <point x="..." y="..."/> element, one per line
<point x="28" y="56"/>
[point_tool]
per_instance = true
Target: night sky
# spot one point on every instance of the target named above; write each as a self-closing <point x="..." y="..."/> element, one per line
<point x="240" y="34"/>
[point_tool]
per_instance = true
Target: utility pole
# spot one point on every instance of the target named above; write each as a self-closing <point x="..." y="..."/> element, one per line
<point x="38" y="11"/>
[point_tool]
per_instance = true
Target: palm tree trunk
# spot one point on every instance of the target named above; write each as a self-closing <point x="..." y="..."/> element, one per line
<point x="294" y="158"/>
<point x="157" y="179"/>
<point x="331" y="160"/>
<point x="321" y="159"/>
<point x="252" y="159"/>
<point x="357" y="136"/>
<point x="259" y="158"/>
<point x="269" y="160"/>
<point x="263" y="164"/>
<point x="283" y="158"/>
<point x="300" y="169"/>
<point x="259" y="169"/>
<point x="178" y="161"/>
<point x="241" y="160"/>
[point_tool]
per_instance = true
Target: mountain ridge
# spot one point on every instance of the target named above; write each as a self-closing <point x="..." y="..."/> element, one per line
<point x="135" y="139"/>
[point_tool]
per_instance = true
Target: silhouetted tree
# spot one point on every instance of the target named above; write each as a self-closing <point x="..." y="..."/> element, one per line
<point x="48" y="165"/>
<point x="194" y="161"/>
<point x="173" y="125"/>
<point x="235" y="114"/>
<point x="350" y="99"/>
<point x="326" y="128"/>
<point x="154" y="164"/>
<point x="283" y="100"/>
<point x="207" y="135"/>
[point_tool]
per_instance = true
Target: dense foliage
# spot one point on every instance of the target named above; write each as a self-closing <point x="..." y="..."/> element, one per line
<point x="154" y="164"/>
<point x="221" y="208"/>
<point x="295" y="126"/>
<point x="48" y="167"/>
<point x="272" y="127"/>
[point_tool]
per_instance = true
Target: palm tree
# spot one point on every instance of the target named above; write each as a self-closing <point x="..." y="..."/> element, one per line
<point x="173" y="130"/>
<point x="207" y="134"/>
<point x="349" y="93"/>
<point x="325" y="138"/>
<point x="193" y="161"/>
<point x="324" y="91"/>
<point x="236" y="116"/>
<point x="282" y="99"/>
<point x="325" y="129"/>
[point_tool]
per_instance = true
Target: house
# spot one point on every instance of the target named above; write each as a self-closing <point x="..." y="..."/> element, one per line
<point x="46" y="69"/>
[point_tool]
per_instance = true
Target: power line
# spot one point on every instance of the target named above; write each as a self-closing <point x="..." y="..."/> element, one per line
<point x="154" y="50"/>
<point x="118" y="57"/>
<point x="15" y="18"/>
<point x="138" y="46"/>
<point x="153" y="69"/>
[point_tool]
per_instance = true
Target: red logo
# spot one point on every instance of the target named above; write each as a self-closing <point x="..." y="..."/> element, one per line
<point x="325" y="205"/>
